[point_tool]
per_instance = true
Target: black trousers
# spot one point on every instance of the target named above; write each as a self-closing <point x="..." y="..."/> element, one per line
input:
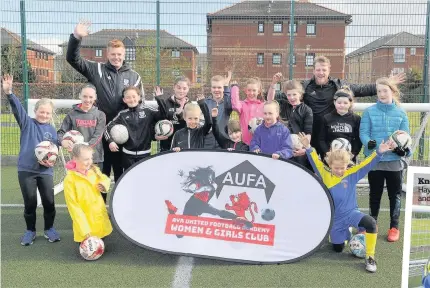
<point x="29" y="183"/>
<point x="367" y="223"/>
<point x="129" y="160"/>
<point x="394" y="188"/>
<point x="111" y="160"/>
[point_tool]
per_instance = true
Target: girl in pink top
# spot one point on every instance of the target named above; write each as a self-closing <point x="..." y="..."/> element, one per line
<point x="249" y="108"/>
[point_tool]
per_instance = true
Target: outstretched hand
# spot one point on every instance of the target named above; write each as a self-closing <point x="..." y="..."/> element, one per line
<point x="304" y="140"/>
<point x="158" y="91"/>
<point x="276" y="78"/>
<point x="227" y="79"/>
<point x="7" y="83"/>
<point x="398" y="78"/>
<point x="82" y="29"/>
<point x="385" y="146"/>
<point x="214" y="112"/>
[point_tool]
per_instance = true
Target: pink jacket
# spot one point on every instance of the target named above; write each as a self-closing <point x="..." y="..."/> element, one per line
<point x="247" y="110"/>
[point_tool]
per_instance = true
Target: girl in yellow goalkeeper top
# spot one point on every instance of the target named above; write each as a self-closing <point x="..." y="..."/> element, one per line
<point x="341" y="182"/>
<point x="82" y="187"/>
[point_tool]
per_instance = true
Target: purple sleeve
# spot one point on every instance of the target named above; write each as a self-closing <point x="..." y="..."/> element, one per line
<point x="286" y="150"/>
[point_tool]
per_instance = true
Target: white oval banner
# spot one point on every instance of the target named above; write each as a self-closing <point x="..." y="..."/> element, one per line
<point x="234" y="206"/>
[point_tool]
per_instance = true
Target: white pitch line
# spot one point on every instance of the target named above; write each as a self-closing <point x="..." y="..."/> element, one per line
<point x="183" y="272"/>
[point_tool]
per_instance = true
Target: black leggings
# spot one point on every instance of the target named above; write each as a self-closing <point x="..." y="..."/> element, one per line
<point x="111" y="160"/>
<point x="366" y="222"/>
<point x="29" y="183"/>
<point x="393" y="180"/>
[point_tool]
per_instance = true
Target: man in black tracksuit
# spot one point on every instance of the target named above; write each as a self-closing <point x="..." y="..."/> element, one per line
<point x="140" y="121"/>
<point x="319" y="92"/>
<point x="110" y="79"/>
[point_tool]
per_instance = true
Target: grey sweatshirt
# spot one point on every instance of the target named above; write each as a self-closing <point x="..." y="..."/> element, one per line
<point x="91" y="124"/>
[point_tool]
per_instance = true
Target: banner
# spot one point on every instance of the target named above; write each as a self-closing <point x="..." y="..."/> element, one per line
<point x="234" y="206"/>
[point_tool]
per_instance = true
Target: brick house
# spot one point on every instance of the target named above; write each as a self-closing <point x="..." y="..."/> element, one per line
<point x="393" y="53"/>
<point x="254" y="38"/>
<point x="40" y="58"/>
<point x="172" y="50"/>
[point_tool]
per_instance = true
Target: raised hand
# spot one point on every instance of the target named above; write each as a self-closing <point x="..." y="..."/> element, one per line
<point x="7" y="83"/>
<point x="305" y="140"/>
<point x="158" y="91"/>
<point x="398" y="78"/>
<point x="227" y="79"/>
<point x="276" y="78"/>
<point x="81" y="30"/>
<point x="214" y="112"/>
<point x="200" y="97"/>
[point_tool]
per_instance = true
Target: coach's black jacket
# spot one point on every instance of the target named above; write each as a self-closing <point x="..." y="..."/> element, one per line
<point x="108" y="81"/>
<point x="187" y="138"/>
<point x="225" y="142"/>
<point x="338" y="126"/>
<point x="139" y="121"/>
<point x="169" y="107"/>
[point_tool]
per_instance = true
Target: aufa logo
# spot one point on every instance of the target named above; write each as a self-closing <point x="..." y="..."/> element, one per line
<point x="234" y="206"/>
<point x="245" y="175"/>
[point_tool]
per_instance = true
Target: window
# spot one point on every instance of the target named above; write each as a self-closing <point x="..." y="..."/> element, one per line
<point x="176" y="53"/>
<point x="413" y="51"/>
<point x="294" y="27"/>
<point x="199" y="70"/>
<point x="199" y="79"/>
<point x="260" y="58"/>
<point x="99" y="52"/>
<point x="37" y="55"/>
<point x="399" y="54"/>
<point x="46" y="56"/>
<point x="311" y="28"/>
<point x="176" y="72"/>
<point x="310" y="59"/>
<point x="277" y="27"/>
<point x="130" y="54"/>
<point x="276" y="59"/>
<point x="260" y="27"/>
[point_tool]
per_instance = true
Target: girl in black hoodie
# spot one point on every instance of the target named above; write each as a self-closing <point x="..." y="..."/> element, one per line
<point x="341" y="123"/>
<point x="234" y="142"/>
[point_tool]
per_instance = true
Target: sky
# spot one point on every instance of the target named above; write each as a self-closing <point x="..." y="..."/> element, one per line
<point x="50" y="23"/>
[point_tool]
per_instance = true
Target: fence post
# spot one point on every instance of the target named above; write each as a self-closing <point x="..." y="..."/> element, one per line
<point x="291" y="56"/>
<point x="158" y="43"/>
<point x="24" y="54"/>
<point x="425" y="77"/>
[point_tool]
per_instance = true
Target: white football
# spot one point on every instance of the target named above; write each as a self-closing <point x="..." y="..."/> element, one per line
<point x="74" y="136"/>
<point x="254" y="123"/>
<point x="92" y="248"/>
<point x="340" y="143"/>
<point x="46" y="151"/>
<point x="164" y="128"/>
<point x="119" y="134"/>
<point x="401" y="139"/>
<point x="295" y="142"/>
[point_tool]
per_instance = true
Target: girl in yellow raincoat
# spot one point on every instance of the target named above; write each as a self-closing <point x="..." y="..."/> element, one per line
<point x="82" y="187"/>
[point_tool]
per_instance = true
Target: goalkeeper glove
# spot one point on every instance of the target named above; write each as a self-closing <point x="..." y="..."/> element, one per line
<point x="371" y="144"/>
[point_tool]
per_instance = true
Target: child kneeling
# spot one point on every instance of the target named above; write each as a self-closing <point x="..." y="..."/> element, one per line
<point x="341" y="183"/>
<point x="82" y="187"/>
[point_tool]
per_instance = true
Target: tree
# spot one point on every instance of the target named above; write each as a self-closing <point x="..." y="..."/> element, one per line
<point x="240" y="60"/>
<point x="68" y="73"/>
<point x="11" y="60"/>
<point x="145" y="63"/>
